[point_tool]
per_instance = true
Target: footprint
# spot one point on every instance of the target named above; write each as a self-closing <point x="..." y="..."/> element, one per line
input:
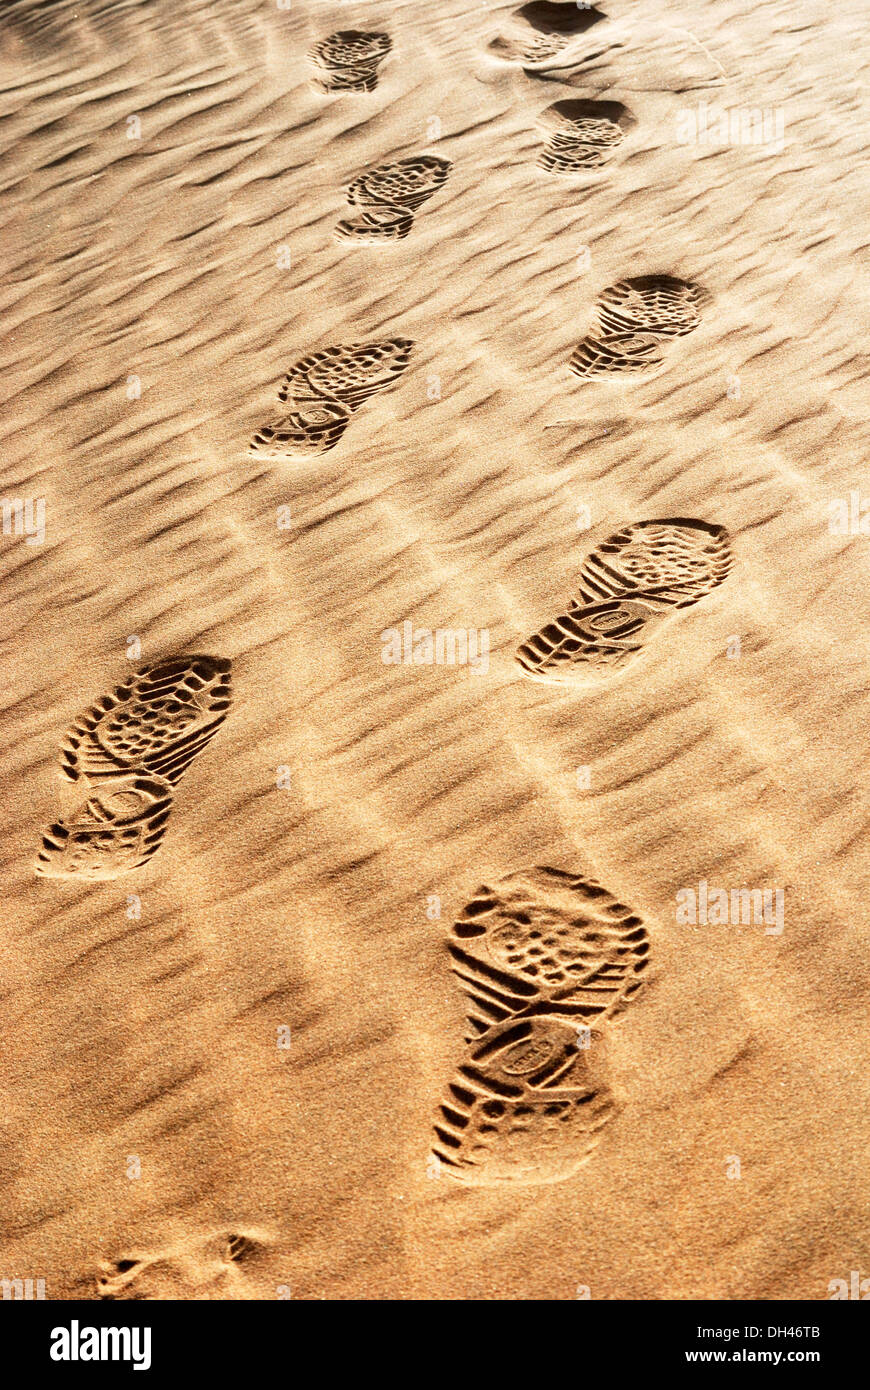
<point x="542" y="30"/>
<point x="542" y="955"/>
<point x="629" y="585"/>
<point x="349" y="60"/>
<point x="582" y="135"/>
<point x="197" y="1267"/>
<point x="126" y="754"/>
<point x="632" y="316"/>
<point x="325" y="389"/>
<point x="389" y="195"/>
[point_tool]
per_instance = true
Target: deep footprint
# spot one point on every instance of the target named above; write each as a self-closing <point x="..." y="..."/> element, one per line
<point x="633" y="317"/>
<point x="126" y="754"/>
<point x="582" y="135"/>
<point x="632" y="583"/>
<point x="542" y="31"/>
<point x="542" y="954"/>
<point x="349" y="61"/>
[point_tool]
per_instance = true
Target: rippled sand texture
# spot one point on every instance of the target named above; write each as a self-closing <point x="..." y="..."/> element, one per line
<point x="234" y="1001"/>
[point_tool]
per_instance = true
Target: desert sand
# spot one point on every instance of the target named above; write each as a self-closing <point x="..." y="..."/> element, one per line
<point x="300" y="889"/>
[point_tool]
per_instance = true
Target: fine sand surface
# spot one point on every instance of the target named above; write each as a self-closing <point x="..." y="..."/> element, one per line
<point x="174" y="173"/>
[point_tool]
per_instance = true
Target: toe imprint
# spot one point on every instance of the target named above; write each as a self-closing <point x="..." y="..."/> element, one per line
<point x="408" y="183"/>
<point x="349" y="373"/>
<point x="658" y="304"/>
<point x="157" y="720"/>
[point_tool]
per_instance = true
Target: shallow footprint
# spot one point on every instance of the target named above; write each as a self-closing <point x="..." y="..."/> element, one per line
<point x="620" y="353"/>
<point x="633" y="316"/>
<point x="389" y="195"/>
<point x="632" y="583"/>
<point x="542" y="938"/>
<point x="200" y="1267"/>
<point x="125" y="755"/>
<point x="525" y="1107"/>
<point x="323" y="390"/>
<point x="547" y="957"/>
<point x="376" y="225"/>
<point x="118" y="828"/>
<point x="302" y="433"/>
<point x="349" y="60"/>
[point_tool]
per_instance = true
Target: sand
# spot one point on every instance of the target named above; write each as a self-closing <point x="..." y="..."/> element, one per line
<point x="222" y="1063"/>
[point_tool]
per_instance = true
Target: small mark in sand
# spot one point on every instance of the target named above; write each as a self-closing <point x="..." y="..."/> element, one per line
<point x="203" y="1265"/>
